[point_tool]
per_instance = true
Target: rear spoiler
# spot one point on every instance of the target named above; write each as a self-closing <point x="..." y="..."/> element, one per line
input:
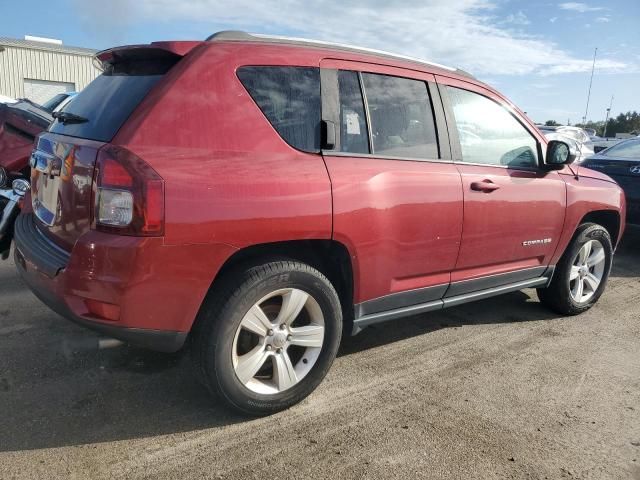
<point x="150" y="51"/>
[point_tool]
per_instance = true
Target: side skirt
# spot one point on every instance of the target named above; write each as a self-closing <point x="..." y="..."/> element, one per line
<point x="363" y="321"/>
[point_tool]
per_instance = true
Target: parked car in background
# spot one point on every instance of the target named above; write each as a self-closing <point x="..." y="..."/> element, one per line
<point x="20" y="122"/>
<point x="58" y="101"/>
<point x="582" y="139"/>
<point x="622" y="163"/>
<point x="255" y="197"/>
<point x="599" y="143"/>
<point x="577" y="139"/>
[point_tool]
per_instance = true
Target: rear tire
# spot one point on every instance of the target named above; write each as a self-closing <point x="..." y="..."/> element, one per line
<point x="267" y="338"/>
<point x="581" y="274"/>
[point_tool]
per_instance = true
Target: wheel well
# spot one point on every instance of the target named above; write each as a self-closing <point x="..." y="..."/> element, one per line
<point x="609" y="219"/>
<point x="328" y="256"/>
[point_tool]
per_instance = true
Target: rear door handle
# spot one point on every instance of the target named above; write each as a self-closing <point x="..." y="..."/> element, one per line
<point x="484" y="186"/>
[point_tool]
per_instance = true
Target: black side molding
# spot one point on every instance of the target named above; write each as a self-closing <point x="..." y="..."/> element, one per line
<point x="401" y="300"/>
<point x="490" y="281"/>
<point x="468" y="292"/>
<point x="38" y="249"/>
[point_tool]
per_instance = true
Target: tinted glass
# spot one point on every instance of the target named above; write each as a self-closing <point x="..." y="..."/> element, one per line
<point x="489" y="134"/>
<point x="628" y="149"/>
<point x="110" y="99"/>
<point x="402" y="122"/>
<point x="290" y="99"/>
<point x="354" y="137"/>
<point x="54" y="101"/>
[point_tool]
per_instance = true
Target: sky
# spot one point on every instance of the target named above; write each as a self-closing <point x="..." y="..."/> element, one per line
<point x="537" y="53"/>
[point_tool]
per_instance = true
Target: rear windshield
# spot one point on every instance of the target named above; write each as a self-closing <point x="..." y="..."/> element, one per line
<point x="109" y="100"/>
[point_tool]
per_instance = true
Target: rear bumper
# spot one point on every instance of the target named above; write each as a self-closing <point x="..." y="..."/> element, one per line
<point x="159" y="340"/>
<point x="134" y="289"/>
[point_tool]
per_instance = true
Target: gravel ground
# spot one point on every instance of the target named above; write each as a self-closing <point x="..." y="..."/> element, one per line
<point x="498" y="389"/>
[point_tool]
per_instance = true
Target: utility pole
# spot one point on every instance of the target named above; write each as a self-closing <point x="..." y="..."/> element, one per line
<point x="586" y="111"/>
<point x="606" y="120"/>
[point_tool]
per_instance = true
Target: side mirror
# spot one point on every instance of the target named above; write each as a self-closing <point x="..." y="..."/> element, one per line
<point x="558" y="155"/>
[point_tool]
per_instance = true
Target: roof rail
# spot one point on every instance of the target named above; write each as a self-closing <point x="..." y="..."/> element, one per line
<point x="240" y="36"/>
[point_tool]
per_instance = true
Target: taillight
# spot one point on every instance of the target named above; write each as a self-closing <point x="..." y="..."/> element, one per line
<point x="128" y="195"/>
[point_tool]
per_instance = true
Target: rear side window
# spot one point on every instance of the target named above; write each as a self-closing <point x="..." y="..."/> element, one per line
<point x="290" y="99"/>
<point x="402" y="123"/>
<point x="354" y="137"/>
<point x="110" y="99"/>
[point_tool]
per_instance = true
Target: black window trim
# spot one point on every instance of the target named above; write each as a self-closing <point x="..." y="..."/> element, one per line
<point x="367" y="113"/>
<point x="330" y="112"/>
<point x="456" y="148"/>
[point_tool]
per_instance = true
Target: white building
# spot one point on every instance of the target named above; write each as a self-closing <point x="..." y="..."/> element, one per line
<point x="39" y="68"/>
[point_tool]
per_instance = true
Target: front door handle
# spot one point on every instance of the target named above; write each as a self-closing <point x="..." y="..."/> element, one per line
<point x="484" y="186"/>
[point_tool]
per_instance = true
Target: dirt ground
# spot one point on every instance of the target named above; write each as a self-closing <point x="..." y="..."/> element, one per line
<point x="498" y="389"/>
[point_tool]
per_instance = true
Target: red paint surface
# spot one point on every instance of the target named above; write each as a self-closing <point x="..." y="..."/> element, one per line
<point x="232" y="182"/>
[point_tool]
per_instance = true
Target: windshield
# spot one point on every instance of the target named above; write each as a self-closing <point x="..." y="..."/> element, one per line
<point x="628" y="149"/>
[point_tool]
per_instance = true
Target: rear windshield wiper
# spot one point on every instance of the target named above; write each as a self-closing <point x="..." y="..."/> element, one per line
<point x="68" y="117"/>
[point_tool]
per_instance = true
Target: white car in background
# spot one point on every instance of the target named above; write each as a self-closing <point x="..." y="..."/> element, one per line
<point x="580" y="141"/>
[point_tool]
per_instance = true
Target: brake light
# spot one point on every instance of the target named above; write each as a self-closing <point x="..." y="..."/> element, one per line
<point x="128" y="195"/>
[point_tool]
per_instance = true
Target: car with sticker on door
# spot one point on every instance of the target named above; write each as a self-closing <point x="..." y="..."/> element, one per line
<point x="255" y="198"/>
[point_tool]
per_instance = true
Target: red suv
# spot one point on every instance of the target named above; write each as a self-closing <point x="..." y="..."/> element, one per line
<point x="256" y="197"/>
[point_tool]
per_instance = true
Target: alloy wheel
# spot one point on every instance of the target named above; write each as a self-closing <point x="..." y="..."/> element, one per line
<point x="587" y="271"/>
<point x="278" y="341"/>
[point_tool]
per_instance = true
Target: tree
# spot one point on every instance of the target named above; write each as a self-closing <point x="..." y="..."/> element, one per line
<point x="624" y="123"/>
<point x="551" y="123"/>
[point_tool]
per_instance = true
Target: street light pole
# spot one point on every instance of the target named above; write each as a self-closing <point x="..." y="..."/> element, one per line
<point x="586" y="111"/>
<point x="606" y="120"/>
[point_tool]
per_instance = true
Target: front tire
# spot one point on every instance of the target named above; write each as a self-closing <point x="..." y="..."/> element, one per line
<point x="582" y="273"/>
<point x="268" y="339"/>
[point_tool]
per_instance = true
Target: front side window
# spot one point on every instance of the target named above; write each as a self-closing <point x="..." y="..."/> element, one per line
<point x="489" y="134"/>
<point x="290" y="99"/>
<point x="402" y="123"/>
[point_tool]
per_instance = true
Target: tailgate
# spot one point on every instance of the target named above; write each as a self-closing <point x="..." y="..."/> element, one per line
<point x="65" y="156"/>
<point x="61" y="178"/>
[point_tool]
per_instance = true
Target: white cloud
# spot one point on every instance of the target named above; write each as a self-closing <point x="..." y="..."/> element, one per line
<point x="579" y="7"/>
<point x="463" y="33"/>
<point x="553" y="19"/>
<point x="517" y="19"/>
<point x="603" y="19"/>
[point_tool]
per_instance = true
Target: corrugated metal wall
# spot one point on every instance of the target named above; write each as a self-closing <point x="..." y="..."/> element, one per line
<point x="17" y="63"/>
